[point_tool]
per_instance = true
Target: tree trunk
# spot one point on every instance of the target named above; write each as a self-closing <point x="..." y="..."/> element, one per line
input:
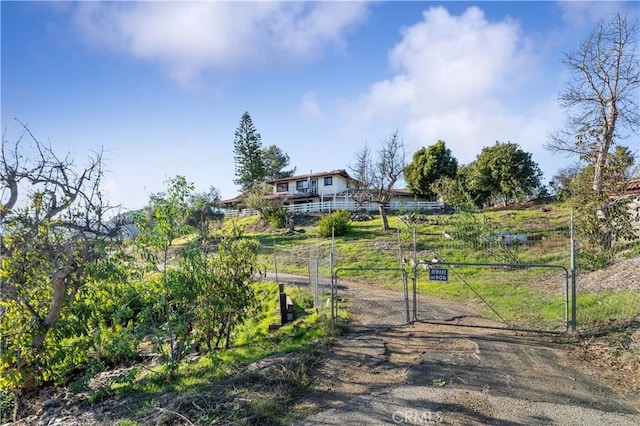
<point x="228" y="331"/>
<point x="383" y="216"/>
<point x="605" y="232"/>
<point x="18" y="404"/>
<point x="599" y="171"/>
<point x="58" y="283"/>
<point x="603" y="151"/>
<point x="167" y="310"/>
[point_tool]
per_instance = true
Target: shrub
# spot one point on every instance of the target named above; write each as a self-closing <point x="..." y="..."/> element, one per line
<point x="591" y="260"/>
<point x="276" y="217"/>
<point x="339" y="222"/>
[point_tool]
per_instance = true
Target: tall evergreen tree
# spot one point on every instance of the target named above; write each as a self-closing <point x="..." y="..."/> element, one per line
<point x="247" y="150"/>
<point x="275" y="161"/>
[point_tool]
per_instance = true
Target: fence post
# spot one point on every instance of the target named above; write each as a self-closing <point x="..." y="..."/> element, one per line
<point x="573" y="278"/>
<point x="283" y="304"/>
<point x="415" y="278"/>
<point x="399" y="245"/>
<point x="275" y="260"/>
<point x="333" y="286"/>
<point x="317" y="279"/>
<point x="405" y="286"/>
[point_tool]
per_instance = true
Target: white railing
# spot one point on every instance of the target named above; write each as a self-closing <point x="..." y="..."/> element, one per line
<point x="350" y="205"/>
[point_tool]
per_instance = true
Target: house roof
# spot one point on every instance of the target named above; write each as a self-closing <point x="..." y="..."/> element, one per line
<point x="269" y="196"/>
<point x="633" y="186"/>
<point x="340" y="172"/>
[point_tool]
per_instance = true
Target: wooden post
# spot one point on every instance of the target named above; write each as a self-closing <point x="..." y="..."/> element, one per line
<point x="283" y="305"/>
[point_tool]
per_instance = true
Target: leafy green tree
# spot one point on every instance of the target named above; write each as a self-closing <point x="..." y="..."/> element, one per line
<point x="247" y="150"/>
<point x="231" y="295"/>
<point x="270" y="209"/>
<point x="203" y="208"/>
<point x="53" y="237"/>
<point x="562" y="180"/>
<point x="453" y="193"/>
<point x="505" y="172"/>
<point x="608" y="216"/>
<point x="222" y="294"/>
<point x="275" y="161"/>
<point x="168" y="220"/>
<point x="428" y="165"/>
<point x="203" y="211"/>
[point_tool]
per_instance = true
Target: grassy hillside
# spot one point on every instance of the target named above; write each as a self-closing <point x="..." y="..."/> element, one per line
<point x="266" y="369"/>
<point x="528" y="297"/>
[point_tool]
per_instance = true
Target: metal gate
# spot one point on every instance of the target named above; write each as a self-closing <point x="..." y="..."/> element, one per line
<point x="386" y="308"/>
<point x="521" y="297"/>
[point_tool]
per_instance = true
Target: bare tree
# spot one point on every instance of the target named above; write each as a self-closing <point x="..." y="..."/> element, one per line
<point x="602" y="96"/>
<point x="378" y="175"/>
<point x="52" y="228"/>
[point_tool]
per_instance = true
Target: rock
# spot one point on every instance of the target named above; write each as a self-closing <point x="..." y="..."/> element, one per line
<point x="49" y="403"/>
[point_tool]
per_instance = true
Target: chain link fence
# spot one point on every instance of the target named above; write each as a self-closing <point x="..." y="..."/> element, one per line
<point x="523" y="277"/>
<point x="302" y="265"/>
<point x="605" y="298"/>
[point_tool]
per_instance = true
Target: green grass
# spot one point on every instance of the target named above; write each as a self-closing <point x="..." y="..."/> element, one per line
<point x="508" y="292"/>
<point x="601" y="308"/>
<point x="250" y="342"/>
<point x="219" y="382"/>
<point x="516" y="295"/>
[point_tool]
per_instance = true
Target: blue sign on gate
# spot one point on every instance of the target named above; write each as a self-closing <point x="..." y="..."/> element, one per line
<point x="438" y="274"/>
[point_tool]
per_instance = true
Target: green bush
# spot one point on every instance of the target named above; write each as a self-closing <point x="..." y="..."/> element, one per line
<point x="591" y="260"/>
<point x="6" y="405"/>
<point x="339" y="222"/>
<point x="275" y="217"/>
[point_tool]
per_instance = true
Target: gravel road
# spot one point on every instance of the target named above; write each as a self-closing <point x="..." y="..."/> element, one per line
<point x="382" y="371"/>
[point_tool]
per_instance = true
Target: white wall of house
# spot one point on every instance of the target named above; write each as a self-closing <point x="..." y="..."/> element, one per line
<point x="323" y="185"/>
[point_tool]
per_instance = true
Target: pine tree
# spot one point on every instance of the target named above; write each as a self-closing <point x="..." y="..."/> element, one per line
<point x="247" y="150"/>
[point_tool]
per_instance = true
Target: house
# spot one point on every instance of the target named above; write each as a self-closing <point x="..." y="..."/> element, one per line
<point x="302" y="189"/>
<point x="632" y="192"/>
<point x="633" y="187"/>
<point x="328" y="191"/>
<point x="312" y="187"/>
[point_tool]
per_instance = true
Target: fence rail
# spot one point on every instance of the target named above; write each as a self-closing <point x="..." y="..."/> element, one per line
<point x="350" y="205"/>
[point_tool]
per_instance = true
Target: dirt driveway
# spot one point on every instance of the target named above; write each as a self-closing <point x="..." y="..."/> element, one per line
<point x="380" y="372"/>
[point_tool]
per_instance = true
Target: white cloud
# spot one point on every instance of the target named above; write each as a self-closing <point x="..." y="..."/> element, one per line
<point x="189" y="37"/>
<point x="583" y="14"/>
<point x="456" y="78"/>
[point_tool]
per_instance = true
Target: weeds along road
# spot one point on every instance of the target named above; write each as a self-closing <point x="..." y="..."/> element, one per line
<point x="383" y="372"/>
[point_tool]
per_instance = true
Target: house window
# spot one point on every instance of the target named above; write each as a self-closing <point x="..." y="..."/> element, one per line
<point x="328" y="181"/>
<point x="282" y="187"/>
<point x="302" y="186"/>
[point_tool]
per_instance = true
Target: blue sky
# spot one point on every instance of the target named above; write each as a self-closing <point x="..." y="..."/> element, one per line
<point x="161" y="86"/>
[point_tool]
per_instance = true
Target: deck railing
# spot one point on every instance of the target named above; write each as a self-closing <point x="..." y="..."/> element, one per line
<point x="350" y="205"/>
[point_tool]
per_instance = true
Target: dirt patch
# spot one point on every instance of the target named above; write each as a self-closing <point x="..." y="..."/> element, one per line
<point x="623" y="275"/>
<point x="466" y="375"/>
<point x="615" y="356"/>
<point x="381" y="368"/>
